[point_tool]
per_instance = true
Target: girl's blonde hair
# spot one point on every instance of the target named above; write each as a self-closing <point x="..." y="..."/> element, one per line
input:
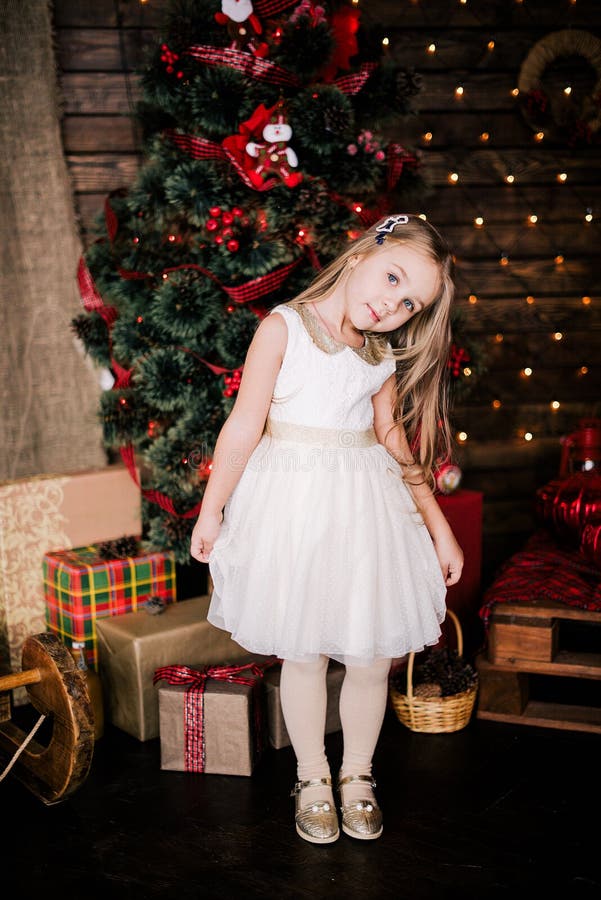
<point x="420" y="347"/>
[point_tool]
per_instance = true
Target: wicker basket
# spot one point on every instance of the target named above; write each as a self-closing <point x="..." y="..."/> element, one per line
<point x="434" y="714"/>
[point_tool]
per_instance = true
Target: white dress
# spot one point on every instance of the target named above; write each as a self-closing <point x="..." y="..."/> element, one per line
<point x="322" y="549"/>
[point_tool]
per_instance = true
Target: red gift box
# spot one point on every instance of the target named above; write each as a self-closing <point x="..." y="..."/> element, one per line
<point x="463" y="511"/>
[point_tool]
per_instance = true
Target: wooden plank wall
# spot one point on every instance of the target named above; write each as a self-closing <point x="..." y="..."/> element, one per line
<point x="99" y="47"/>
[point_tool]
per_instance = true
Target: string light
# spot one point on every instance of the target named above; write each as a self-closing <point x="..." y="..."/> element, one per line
<point x="532" y="219"/>
<point x="510" y="178"/>
<point x="530" y="299"/>
<point x="499" y="338"/>
<point x="527" y="372"/>
<point x="586" y="301"/>
<point x="462" y="436"/>
<point x="515" y="92"/>
<point x="496" y="404"/>
<point x="484" y="137"/>
<point x="562" y="177"/>
<point x="557" y="336"/>
<point x="583" y="370"/>
<point x="528" y="436"/>
<point x="453" y="177"/>
<point x="555" y="404"/>
<point x="504" y="260"/>
<point x="589" y="215"/>
<point x="427" y="137"/>
<point x="491" y="45"/>
<point x="423" y="216"/>
<point x="385" y="42"/>
<point x="539" y="136"/>
<point x="559" y="259"/>
<point x="459" y="90"/>
<point x="467" y="371"/>
<point x="472" y="298"/>
<point x="567" y="90"/>
<point x="478" y="222"/>
<point x="431" y="48"/>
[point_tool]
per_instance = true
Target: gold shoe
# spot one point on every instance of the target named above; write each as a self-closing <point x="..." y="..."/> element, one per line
<point x="317" y="822"/>
<point x="360" y="818"/>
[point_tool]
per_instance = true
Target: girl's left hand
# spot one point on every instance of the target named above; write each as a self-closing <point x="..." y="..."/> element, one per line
<point x="450" y="557"/>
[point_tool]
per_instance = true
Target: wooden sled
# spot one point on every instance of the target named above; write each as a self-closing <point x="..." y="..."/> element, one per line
<point x="58" y="690"/>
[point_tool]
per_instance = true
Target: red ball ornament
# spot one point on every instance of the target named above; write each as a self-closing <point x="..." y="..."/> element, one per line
<point x="227" y="232"/>
<point x="237" y="211"/>
<point x="215" y="211"/>
<point x="227" y="218"/>
<point x="219" y="239"/>
<point x="232" y="245"/>
<point x="212" y="224"/>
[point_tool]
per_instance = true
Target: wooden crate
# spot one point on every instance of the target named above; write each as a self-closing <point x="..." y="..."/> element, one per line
<point x="525" y="643"/>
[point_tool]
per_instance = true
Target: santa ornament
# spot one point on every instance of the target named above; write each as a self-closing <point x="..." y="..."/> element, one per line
<point x="273" y="155"/>
<point x="242" y="26"/>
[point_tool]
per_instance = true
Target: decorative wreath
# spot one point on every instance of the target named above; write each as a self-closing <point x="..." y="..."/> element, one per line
<point x="537" y="106"/>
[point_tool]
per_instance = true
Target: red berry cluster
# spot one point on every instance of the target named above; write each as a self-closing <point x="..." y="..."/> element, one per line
<point x="232" y="382"/>
<point x="169" y="57"/>
<point x="457" y="358"/>
<point x="220" y="226"/>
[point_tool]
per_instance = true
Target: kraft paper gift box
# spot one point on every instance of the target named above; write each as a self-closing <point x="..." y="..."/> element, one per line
<point x="213" y="726"/>
<point x="133" y="646"/>
<point x="53" y="512"/>
<point x="82" y="587"/>
<point x="277" y="732"/>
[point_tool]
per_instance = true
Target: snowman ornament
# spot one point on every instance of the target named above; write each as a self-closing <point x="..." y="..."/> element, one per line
<point x="273" y="155"/>
<point x="242" y="26"/>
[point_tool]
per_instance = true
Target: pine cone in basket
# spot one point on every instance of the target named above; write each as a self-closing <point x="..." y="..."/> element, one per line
<point x="445" y="668"/>
<point x="427" y="691"/>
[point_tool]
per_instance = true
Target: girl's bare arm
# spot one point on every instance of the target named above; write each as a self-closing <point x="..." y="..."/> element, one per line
<point x="392" y="436"/>
<point x="242" y="429"/>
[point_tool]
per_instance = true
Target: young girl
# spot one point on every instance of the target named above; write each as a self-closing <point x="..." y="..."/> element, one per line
<point x="322" y="534"/>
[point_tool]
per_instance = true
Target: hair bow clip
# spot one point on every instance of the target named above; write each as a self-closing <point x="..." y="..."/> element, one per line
<point x="388" y="226"/>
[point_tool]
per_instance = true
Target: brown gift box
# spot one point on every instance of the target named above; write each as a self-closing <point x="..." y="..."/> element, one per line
<point x="233" y="744"/>
<point x="131" y="647"/>
<point x="278" y="734"/>
<point x="53" y="512"/>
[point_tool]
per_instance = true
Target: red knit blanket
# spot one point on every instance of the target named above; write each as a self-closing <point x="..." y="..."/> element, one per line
<point x="544" y="570"/>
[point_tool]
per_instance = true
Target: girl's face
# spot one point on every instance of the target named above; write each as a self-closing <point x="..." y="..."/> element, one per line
<point x="385" y="289"/>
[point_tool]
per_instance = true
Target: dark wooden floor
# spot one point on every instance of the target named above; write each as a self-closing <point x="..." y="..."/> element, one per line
<point x="487" y="812"/>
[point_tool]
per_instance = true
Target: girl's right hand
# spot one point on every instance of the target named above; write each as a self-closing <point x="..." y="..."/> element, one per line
<point x="204" y="535"/>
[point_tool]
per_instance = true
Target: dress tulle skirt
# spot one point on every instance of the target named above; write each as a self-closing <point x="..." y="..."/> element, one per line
<point x="322" y="551"/>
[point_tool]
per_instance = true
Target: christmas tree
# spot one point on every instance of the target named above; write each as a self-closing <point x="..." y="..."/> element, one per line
<point x="266" y="150"/>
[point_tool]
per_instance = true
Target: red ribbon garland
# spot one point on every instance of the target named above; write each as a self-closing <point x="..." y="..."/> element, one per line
<point x="196" y="681"/>
<point x="246" y="63"/>
<point x="267" y="8"/>
<point x="265" y="70"/>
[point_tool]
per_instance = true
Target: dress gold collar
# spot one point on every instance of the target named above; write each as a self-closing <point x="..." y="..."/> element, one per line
<point x="372" y="352"/>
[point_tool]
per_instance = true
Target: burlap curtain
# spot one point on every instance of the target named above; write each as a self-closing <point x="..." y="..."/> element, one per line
<point x="49" y="389"/>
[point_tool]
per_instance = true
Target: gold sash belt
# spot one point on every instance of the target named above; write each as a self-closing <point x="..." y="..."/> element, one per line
<point x="336" y="438"/>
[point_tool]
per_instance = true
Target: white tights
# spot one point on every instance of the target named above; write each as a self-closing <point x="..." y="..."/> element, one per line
<point x="362" y="707"/>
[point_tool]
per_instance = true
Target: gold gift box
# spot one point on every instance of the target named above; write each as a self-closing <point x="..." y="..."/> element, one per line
<point x="132" y="646"/>
<point x="233" y="729"/>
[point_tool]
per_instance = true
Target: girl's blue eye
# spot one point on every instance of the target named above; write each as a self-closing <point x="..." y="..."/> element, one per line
<point x="409" y="304"/>
<point x="392" y="278"/>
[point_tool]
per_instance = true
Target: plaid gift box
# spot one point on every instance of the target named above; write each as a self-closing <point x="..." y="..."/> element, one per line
<point x="81" y="586"/>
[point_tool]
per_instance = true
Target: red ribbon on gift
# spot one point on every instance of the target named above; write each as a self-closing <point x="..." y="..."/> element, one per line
<point x="196" y="681"/>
